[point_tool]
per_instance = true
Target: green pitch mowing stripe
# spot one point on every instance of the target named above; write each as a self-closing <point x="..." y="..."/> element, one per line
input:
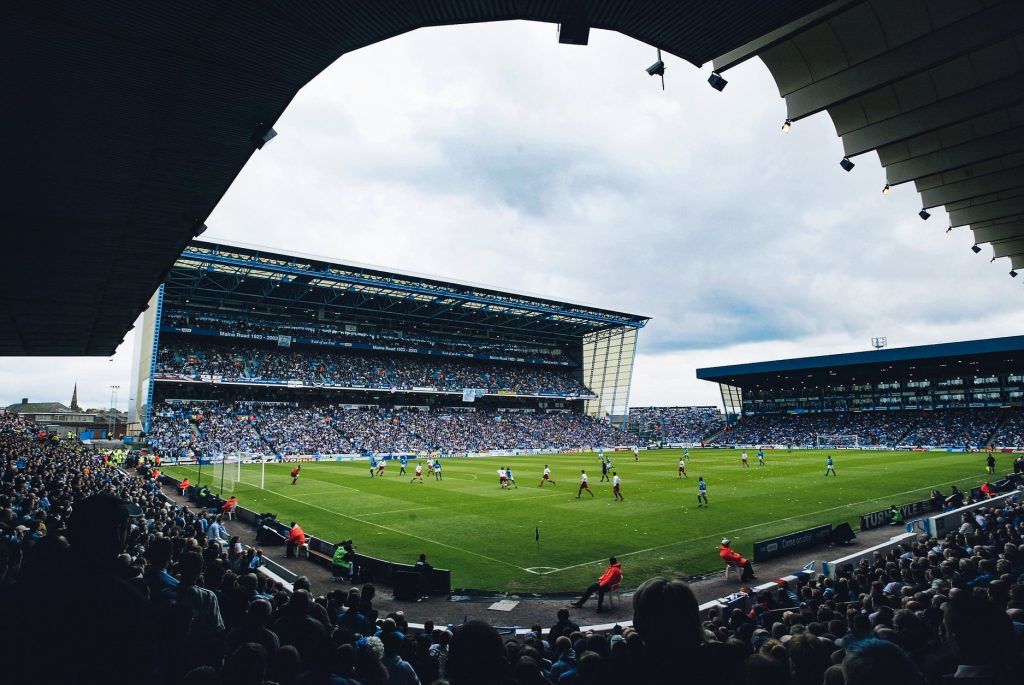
<point x="485" y="534"/>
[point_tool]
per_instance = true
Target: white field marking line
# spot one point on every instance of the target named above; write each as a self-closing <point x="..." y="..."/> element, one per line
<point x="402" y="532"/>
<point x="756" y="525"/>
<point x="393" y="511"/>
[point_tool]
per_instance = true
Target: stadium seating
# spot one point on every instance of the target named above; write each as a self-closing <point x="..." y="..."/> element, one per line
<point x="333" y="368"/>
<point x="202" y="612"/>
<point x="180" y="430"/>
<point x="955" y="428"/>
<point x="676" y="424"/>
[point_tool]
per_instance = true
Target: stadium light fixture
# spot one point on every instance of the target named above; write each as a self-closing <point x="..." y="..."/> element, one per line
<point x="198" y="229"/>
<point x="949" y="230"/>
<point x="262" y="135"/>
<point x="886" y="189"/>
<point x="1013" y="274"/>
<point x="924" y="214"/>
<point x="847" y="164"/>
<point x="658" y="69"/>
<point x="717" y="82"/>
<point x="976" y="249"/>
<point x="788" y="124"/>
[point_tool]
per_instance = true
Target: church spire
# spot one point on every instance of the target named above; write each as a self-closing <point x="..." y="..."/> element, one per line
<point x="74" y="399"/>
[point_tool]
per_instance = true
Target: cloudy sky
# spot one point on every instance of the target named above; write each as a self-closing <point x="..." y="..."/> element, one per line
<point x="494" y="155"/>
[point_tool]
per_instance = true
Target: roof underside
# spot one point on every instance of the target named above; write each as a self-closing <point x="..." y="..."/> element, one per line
<point x="934" y="87"/>
<point x="248" y="281"/>
<point x="947" y="360"/>
<point x="132" y="119"/>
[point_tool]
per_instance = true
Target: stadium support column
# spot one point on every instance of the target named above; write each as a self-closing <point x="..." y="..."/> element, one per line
<point x="145" y="364"/>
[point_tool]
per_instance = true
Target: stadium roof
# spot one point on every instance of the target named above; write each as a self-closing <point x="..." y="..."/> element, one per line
<point x="974" y="357"/>
<point x="132" y="119"/>
<point x="250" y="280"/>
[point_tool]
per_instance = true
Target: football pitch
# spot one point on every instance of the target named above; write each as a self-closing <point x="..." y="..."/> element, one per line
<point x="488" y="536"/>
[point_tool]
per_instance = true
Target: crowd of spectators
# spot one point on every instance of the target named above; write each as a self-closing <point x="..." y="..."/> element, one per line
<point x="677" y="424"/>
<point x="971" y="428"/>
<point x="180" y="430"/>
<point x="955" y="428"/>
<point x="1010" y="433"/>
<point x="377" y="335"/>
<point x="361" y="369"/>
<point x="103" y="578"/>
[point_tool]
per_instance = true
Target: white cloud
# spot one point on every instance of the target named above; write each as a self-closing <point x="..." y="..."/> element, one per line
<point x="493" y="154"/>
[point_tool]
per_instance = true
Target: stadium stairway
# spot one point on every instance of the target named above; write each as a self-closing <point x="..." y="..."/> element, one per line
<point x="708" y="439"/>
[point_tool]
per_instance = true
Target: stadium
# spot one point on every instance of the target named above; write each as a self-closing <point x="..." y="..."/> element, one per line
<point x="348" y="473"/>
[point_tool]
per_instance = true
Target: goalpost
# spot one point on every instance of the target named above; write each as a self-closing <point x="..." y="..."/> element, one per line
<point x="836" y="441"/>
<point x="239" y="468"/>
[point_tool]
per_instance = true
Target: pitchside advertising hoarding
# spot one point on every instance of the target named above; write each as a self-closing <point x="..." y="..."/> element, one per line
<point x="775" y="547"/>
<point x="877" y="519"/>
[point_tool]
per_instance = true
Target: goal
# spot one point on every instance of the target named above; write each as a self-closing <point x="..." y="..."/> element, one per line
<point x="247" y="468"/>
<point x="836" y="441"/>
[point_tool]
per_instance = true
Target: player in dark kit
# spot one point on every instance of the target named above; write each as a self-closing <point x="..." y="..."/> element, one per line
<point x="295" y="474"/>
<point x="604" y="471"/>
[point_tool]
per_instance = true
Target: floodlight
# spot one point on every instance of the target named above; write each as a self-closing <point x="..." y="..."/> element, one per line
<point x="886" y="189"/>
<point x="847" y="164"/>
<point x="1013" y="274"/>
<point x="949" y="230"/>
<point x="924" y="214"/>
<point x="717" y="82"/>
<point x="198" y="229"/>
<point x="262" y="135"/>
<point x="787" y="125"/>
<point x="657" y="69"/>
<point x="976" y="249"/>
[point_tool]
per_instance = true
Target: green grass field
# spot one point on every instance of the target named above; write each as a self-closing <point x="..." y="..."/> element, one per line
<point x="485" y="535"/>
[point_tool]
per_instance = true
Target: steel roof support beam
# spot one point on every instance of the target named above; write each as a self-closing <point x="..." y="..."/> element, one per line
<point x="961" y="107"/>
<point x="979" y="30"/>
<point x="780" y="35"/>
<point x="956" y="157"/>
<point x="1008" y="248"/>
<point x="972" y="188"/>
<point x="1005" y="231"/>
<point x="986" y="211"/>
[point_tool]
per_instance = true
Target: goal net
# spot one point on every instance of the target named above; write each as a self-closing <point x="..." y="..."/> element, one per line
<point x="836" y="441"/>
<point x="237" y="468"/>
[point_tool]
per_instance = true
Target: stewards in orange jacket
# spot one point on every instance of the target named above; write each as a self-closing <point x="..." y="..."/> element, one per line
<point x="609" y="580"/>
<point x="296" y="538"/>
<point x="735" y="559"/>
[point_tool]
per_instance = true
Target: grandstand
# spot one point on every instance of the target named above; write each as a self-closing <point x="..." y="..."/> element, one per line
<point x="245" y="351"/>
<point x="956" y="396"/>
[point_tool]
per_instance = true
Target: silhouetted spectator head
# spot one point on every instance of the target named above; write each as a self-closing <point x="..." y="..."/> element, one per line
<point x="981" y="633"/>
<point x="667" y="616"/>
<point x="476" y="655"/>
<point x="766" y="670"/>
<point x="878" y="662"/>
<point x="99" y="526"/>
<point x="245" y="666"/>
